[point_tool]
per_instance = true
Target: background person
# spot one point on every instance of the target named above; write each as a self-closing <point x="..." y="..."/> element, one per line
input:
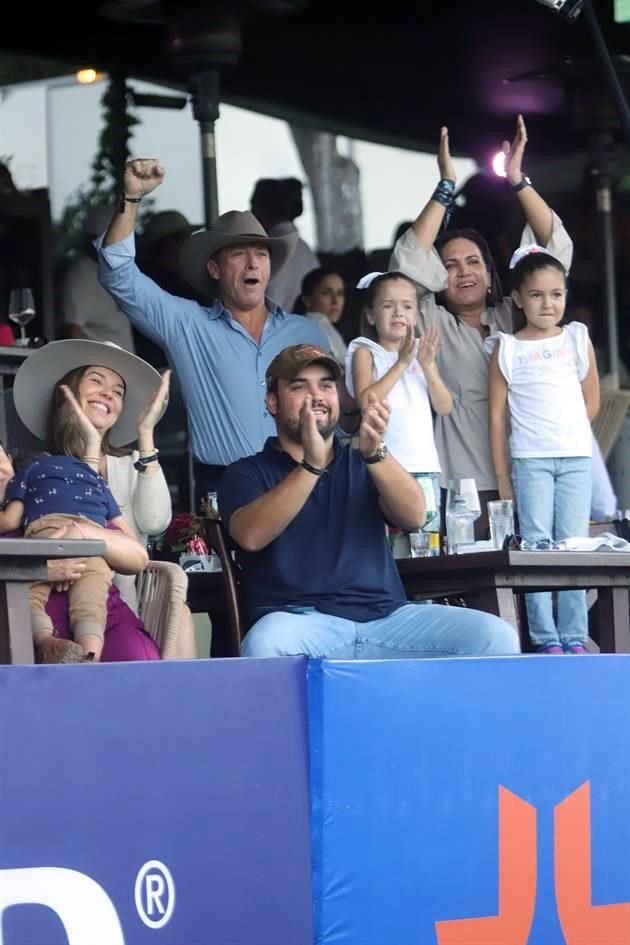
<point x="277" y="203"/>
<point x="322" y="298"/>
<point x="159" y="247"/>
<point x="86" y="310"/>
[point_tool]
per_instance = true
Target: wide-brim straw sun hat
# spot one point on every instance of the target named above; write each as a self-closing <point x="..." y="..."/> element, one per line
<point x="37" y="375"/>
<point x="234" y="228"/>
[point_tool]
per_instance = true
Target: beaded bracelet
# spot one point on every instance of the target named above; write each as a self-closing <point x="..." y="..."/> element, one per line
<point x="444" y="194"/>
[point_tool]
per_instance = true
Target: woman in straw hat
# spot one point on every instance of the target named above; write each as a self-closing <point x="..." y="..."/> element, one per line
<point x="111" y="397"/>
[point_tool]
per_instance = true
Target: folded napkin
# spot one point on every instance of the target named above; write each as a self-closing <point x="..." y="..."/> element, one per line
<point x="607" y="541"/>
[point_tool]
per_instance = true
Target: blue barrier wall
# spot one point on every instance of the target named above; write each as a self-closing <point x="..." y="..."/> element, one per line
<point x="453" y="802"/>
<point x="410" y="763"/>
<point x="200" y="766"/>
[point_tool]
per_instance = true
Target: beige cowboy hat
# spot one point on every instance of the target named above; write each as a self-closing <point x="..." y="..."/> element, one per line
<point x="39" y="372"/>
<point x="234" y="228"/>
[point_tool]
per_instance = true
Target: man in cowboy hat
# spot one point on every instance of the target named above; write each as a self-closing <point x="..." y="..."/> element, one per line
<point x="221" y="347"/>
<point x="308" y="518"/>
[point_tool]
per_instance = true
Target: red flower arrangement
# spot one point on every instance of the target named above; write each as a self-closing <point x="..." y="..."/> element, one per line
<point x="184" y="534"/>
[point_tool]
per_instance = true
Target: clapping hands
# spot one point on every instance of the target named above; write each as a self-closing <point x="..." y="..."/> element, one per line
<point x="150" y="415"/>
<point x="428" y="347"/>
<point x="315" y="449"/>
<point x="373" y="425"/>
<point x="92" y="437"/>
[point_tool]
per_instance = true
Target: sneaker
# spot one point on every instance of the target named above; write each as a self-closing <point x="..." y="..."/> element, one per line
<point x="576" y="648"/>
<point x="550" y="648"/>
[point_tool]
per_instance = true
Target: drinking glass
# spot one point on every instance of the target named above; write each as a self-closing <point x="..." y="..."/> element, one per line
<point x="419" y="544"/>
<point x="501" y="518"/>
<point x="466" y="490"/>
<point x="21" y="311"/>
<point x="462" y="511"/>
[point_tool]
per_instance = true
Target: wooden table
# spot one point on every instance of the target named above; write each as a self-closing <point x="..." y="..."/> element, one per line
<point x="23" y="560"/>
<point x="488" y="580"/>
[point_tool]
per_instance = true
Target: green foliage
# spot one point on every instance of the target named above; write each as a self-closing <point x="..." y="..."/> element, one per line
<point x="104" y="186"/>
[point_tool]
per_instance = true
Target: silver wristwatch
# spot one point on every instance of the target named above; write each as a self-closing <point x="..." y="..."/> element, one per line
<point x="380" y="455"/>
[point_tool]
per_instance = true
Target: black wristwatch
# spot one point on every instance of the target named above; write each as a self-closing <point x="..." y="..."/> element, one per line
<point x="524" y="182"/>
<point x="143" y="461"/>
<point x="378" y="457"/>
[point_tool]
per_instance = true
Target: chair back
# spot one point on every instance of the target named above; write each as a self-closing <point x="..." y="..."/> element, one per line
<point x="216" y="538"/>
<point x="162" y="589"/>
<point x="608" y="422"/>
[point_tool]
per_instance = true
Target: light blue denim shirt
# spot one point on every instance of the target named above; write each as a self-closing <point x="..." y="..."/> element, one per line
<point x="219" y="366"/>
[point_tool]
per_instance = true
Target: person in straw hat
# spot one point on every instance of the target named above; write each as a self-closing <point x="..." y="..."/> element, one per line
<point x="220" y="347"/>
<point x="87" y="400"/>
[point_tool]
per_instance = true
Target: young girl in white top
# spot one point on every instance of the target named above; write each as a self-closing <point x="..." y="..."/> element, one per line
<point x="391" y="362"/>
<point x="545" y="377"/>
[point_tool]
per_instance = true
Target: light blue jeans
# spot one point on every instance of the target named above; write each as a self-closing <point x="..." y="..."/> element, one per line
<point x="553" y="500"/>
<point x="411" y="632"/>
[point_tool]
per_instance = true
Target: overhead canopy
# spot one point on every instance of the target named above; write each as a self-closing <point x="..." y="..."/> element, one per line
<point x="390" y="72"/>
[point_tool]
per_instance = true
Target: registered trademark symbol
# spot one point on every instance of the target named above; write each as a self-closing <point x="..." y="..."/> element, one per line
<point x="154" y="893"/>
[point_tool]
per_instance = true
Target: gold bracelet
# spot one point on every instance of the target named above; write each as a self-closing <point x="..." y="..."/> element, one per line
<point x="148" y="452"/>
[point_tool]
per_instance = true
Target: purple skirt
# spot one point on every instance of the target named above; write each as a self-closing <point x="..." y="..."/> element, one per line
<point x="125" y="636"/>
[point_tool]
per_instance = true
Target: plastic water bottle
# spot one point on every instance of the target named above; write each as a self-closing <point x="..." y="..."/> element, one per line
<point x="460" y="525"/>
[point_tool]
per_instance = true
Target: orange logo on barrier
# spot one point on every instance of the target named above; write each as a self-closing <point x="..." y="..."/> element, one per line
<point x="582" y="923"/>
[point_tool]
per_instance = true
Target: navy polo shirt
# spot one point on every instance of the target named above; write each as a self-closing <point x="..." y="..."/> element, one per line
<point x="333" y="556"/>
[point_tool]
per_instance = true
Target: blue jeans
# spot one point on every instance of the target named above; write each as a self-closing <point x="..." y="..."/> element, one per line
<point x="411" y="632"/>
<point x="553" y="500"/>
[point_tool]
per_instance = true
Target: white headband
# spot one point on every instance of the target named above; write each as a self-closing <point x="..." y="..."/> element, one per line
<point x="366" y="281"/>
<point x="527" y="250"/>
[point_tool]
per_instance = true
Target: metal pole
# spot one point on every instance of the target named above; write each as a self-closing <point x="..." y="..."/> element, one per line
<point x="602" y="145"/>
<point x="205" y="102"/>
<point x="608" y="68"/>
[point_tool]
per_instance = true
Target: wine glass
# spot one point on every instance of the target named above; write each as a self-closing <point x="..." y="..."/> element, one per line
<point x="21" y="311"/>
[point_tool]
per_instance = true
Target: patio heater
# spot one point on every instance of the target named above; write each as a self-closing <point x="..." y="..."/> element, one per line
<point x="201" y="40"/>
<point x="599" y="112"/>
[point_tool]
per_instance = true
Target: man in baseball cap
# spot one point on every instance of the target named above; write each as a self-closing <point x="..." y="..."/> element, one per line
<point x="308" y="514"/>
<point x="288" y="364"/>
